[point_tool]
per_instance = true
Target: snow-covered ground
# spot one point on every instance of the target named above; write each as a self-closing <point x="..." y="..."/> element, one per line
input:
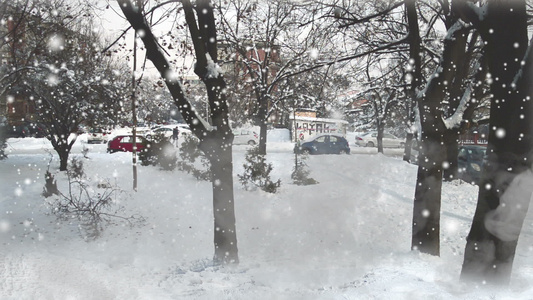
<point x="346" y="238"/>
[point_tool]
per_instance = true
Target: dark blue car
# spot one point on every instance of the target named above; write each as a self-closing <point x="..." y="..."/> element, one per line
<point x="470" y="162"/>
<point x="324" y="144"/>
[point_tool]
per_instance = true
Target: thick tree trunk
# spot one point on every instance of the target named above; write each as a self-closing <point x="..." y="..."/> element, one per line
<point x="451" y="140"/>
<point x="427" y="202"/>
<point x="63" y="159"/>
<point x="416" y="72"/>
<point x="408" y="147"/>
<point x="225" y="234"/>
<point x="219" y="152"/>
<point x="62" y="147"/>
<point x="503" y="196"/>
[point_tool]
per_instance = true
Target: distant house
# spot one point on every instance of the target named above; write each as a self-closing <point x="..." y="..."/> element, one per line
<point x="305" y="124"/>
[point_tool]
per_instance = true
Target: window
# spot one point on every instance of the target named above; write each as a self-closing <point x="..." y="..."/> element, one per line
<point x="321" y="139"/>
<point x="333" y="139"/>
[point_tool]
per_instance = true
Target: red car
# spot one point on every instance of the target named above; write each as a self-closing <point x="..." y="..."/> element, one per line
<point x="125" y="143"/>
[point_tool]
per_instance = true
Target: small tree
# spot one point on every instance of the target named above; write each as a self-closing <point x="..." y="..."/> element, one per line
<point x="300" y="173"/>
<point x="257" y="172"/>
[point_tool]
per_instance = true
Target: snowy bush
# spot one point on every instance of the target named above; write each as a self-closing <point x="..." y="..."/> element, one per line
<point x="160" y="152"/>
<point x="193" y="160"/>
<point x="257" y="172"/>
<point x="300" y="173"/>
<point x="92" y="206"/>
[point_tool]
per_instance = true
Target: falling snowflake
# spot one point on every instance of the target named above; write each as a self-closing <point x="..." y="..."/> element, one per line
<point x="56" y="43"/>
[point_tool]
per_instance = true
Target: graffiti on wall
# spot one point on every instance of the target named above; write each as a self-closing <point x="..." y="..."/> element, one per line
<point x="309" y="128"/>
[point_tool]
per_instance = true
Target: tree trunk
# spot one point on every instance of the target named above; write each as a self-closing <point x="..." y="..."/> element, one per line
<point x="63" y="158"/>
<point x="416" y="71"/>
<point x="379" y="137"/>
<point x="503" y="197"/>
<point x="408" y="147"/>
<point x="427" y="202"/>
<point x="225" y="234"/>
<point x="450" y="169"/>
<point x="262" y="117"/>
<point x="426" y="210"/>
<point x="62" y="147"/>
<point x="216" y="140"/>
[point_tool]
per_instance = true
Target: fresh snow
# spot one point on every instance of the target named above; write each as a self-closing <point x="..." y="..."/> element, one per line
<point x="346" y="238"/>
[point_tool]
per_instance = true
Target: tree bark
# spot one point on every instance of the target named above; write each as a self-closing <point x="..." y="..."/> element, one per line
<point x="427" y="202"/>
<point x="225" y="237"/>
<point x="490" y="249"/>
<point x="451" y="140"/>
<point x="379" y="137"/>
<point x="416" y="71"/>
<point x="262" y="116"/>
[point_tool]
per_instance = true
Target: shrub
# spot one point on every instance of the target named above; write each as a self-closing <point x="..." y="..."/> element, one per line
<point x="193" y="160"/>
<point x="159" y="152"/>
<point x="257" y="172"/>
<point x="90" y="206"/>
<point x="300" y="173"/>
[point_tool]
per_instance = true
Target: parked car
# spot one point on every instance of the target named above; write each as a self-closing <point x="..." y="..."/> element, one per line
<point x="97" y="136"/>
<point x="184" y="129"/>
<point x="16" y="131"/>
<point x="245" y="137"/>
<point x="125" y="143"/>
<point x="470" y="161"/>
<point x="168" y="130"/>
<point x="144" y="131"/>
<point x="36" y="130"/>
<point x="324" y="144"/>
<point x="370" y="139"/>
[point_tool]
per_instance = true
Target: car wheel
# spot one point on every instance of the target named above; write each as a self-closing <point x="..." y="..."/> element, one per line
<point x="370" y="144"/>
<point x="306" y="151"/>
<point x="251" y="142"/>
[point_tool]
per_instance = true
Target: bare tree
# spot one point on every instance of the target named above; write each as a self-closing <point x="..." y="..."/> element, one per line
<point x="504" y="196"/>
<point x="267" y="43"/>
<point x="215" y="138"/>
<point x="58" y="69"/>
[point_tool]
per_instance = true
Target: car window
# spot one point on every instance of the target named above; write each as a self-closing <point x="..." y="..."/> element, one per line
<point x="462" y="154"/>
<point x="321" y="139"/>
<point x="374" y="134"/>
<point x="126" y="139"/>
<point x="333" y="139"/>
<point x="389" y="136"/>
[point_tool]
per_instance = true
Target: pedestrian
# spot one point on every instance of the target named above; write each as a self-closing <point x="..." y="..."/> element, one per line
<point x="175" y="135"/>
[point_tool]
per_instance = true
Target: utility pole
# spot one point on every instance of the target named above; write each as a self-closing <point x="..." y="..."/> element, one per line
<point x="134" y="113"/>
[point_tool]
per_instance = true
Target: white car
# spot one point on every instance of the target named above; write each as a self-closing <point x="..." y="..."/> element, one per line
<point x="168" y="131"/>
<point x="97" y="136"/>
<point x="370" y="139"/>
<point x="245" y="137"/>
